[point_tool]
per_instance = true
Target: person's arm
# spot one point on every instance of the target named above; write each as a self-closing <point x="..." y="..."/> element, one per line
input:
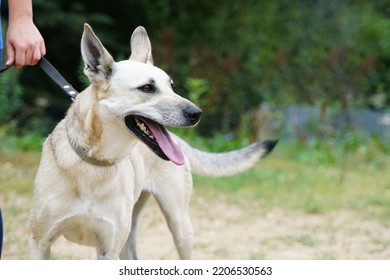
<point x="24" y="42"/>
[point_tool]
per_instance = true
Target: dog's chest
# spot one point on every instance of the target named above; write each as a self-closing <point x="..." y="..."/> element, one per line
<point x="100" y="207"/>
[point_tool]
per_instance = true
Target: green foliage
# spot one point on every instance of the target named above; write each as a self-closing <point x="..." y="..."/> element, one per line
<point x="22" y="125"/>
<point x="10" y="97"/>
<point x="12" y="139"/>
<point x="325" y="53"/>
<point x="12" y="112"/>
<point x="197" y="89"/>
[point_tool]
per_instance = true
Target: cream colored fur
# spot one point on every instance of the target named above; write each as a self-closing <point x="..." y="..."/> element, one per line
<point x="100" y="206"/>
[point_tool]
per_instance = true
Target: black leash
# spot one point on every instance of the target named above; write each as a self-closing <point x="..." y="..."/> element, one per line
<point x="53" y="73"/>
<point x="4" y="69"/>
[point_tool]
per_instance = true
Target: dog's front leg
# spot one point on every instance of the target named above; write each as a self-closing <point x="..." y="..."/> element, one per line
<point x="37" y="251"/>
<point x="129" y="250"/>
<point x="106" y="256"/>
<point x="177" y="216"/>
<point x="104" y="253"/>
<point x="109" y="241"/>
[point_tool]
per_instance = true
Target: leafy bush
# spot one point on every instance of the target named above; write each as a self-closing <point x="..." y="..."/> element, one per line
<point x="10" y="96"/>
<point x="326" y="53"/>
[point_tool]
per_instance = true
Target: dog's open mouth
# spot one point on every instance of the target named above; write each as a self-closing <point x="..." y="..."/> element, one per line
<point x="156" y="137"/>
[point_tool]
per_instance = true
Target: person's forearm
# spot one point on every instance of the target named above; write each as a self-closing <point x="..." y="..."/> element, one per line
<point x="18" y="9"/>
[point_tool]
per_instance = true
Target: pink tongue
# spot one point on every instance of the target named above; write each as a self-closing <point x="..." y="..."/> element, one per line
<point x="170" y="148"/>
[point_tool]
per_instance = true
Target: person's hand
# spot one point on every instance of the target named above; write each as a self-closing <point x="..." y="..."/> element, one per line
<point x="24" y="43"/>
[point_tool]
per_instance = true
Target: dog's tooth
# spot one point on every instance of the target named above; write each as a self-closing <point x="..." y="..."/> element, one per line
<point x="144" y="129"/>
<point x="149" y="134"/>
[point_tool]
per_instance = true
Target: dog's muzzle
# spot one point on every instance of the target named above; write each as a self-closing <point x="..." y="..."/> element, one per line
<point x="157" y="138"/>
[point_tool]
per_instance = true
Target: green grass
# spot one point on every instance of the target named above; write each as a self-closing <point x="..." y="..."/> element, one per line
<point x="19" y="159"/>
<point x="18" y="169"/>
<point x="307" y="178"/>
<point x="312" y="179"/>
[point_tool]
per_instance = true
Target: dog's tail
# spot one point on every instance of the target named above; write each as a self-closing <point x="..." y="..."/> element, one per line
<point x="227" y="163"/>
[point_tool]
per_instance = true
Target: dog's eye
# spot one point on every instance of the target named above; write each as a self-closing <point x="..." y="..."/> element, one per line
<point x="148" y="88"/>
<point x="172" y="83"/>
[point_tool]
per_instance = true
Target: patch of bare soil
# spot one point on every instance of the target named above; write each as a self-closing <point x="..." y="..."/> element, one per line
<point x="228" y="231"/>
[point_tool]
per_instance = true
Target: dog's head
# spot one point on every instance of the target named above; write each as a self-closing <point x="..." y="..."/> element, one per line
<point x="137" y="93"/>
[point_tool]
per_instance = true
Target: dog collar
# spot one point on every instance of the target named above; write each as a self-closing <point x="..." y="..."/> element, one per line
<point x="84" y="154"/>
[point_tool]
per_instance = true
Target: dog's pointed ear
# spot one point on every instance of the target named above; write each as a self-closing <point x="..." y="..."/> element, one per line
<point x="141" y="49"/>
<point x="98" y="62"/>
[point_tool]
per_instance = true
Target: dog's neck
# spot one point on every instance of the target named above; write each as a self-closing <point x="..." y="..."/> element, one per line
<point x="85" y="154"/>
<point x="80" y="145"/>
<point x="91" y="137"/>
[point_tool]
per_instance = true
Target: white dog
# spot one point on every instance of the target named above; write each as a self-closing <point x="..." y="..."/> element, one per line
<point x="111" y="151"/>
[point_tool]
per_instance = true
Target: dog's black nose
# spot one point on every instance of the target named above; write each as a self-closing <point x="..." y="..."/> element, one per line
<point x="193" y="114"/>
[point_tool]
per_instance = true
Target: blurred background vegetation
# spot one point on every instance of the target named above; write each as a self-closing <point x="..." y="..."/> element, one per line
<point x="246" y="64"/>
<point x="227" y="56"/>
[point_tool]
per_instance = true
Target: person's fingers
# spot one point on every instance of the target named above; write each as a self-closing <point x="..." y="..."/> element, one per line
<point x="28" y="55"/>
<point x="20" y="60"/>
<point x="24" y="46"/>
<point x="10" y="55"/>
<point x="24" y="55"/>
<point x="42" y="48"/>
<point x="36" y="56"/>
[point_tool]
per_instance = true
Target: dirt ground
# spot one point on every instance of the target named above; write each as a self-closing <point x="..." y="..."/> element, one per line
<point x="229" y="231"/>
